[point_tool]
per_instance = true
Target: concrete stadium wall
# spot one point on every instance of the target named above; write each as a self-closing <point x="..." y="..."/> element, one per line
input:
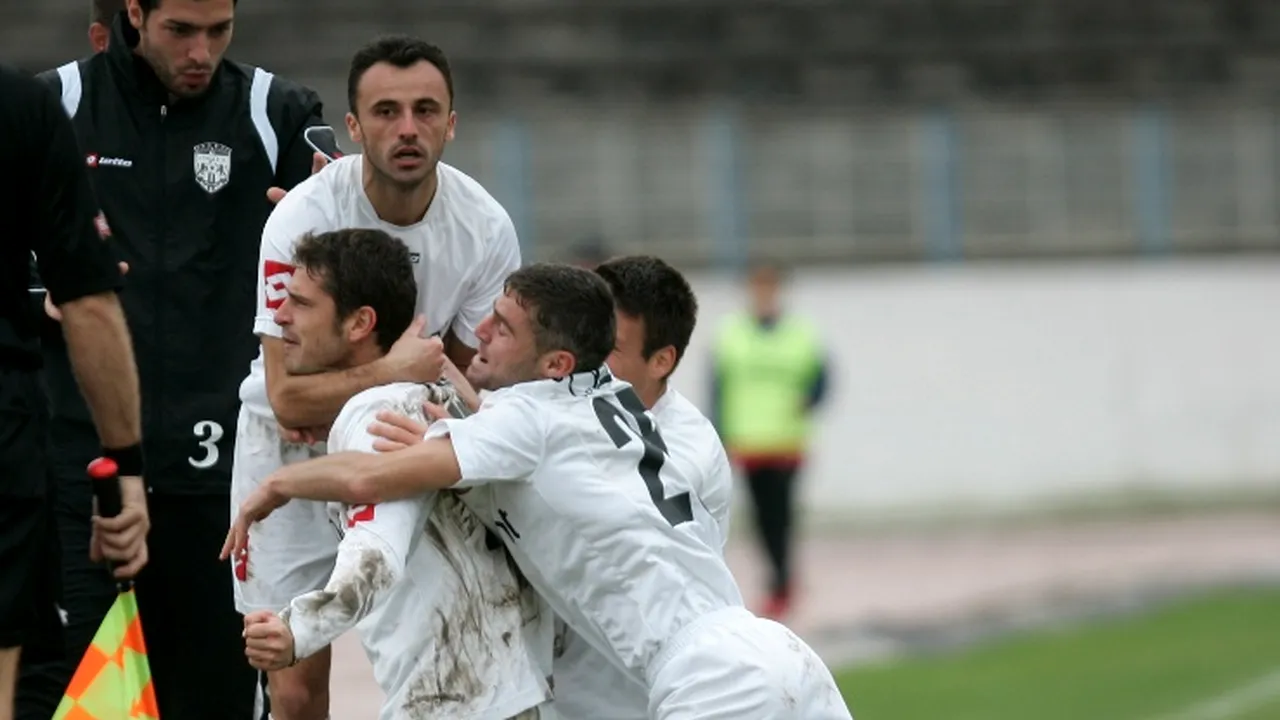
<point x="999" y="387"/>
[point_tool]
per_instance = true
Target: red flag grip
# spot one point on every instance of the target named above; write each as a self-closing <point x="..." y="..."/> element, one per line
<point x="105" y="475"/>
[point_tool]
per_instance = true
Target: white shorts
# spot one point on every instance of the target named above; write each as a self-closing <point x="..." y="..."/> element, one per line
<point x="732" y="665"/>
<point x="291" y="552"/>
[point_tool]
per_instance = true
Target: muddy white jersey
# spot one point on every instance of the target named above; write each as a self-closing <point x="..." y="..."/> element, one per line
<point x="451" y="629"/>
<point x="462" y="251"/>
<point x="612" y="534"/>
<point x="587" y="686"/>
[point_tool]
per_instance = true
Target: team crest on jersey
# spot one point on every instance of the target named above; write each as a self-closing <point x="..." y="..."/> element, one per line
<point x="212" y="166"/>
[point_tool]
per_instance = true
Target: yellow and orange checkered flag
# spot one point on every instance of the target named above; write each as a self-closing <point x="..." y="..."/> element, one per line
<point x="113" y="681"/>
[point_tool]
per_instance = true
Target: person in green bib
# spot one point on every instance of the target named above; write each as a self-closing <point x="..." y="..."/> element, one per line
<point x="769" y="375"/>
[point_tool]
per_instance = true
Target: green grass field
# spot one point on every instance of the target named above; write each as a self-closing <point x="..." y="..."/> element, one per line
<point x="1213" y="657"/>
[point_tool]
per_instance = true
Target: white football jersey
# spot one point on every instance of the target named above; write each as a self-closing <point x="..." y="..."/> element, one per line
<point x="612" y="534"/>
<point x="587" y="686"/>
<point x="451" y="629"/>
<point x="692" y="439"/>
<point x="462" y="250"/>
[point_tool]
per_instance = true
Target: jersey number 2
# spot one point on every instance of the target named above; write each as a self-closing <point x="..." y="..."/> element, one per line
<point x="208" y="433"/>
<point x="676" y="509"/>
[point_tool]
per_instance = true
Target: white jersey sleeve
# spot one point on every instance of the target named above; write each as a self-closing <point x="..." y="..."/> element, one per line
<point x="502" y="259"/>
<point x="371" y="560"/>
<point x="503" y="442"/>
<point x="372" y="555"/>
<point x="295" y="216"/>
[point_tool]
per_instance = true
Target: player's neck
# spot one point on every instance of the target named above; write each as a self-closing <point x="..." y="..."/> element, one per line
<point x="397" y="204"/>
<point x="651" y="395"/>
<point x="362" y="355"/>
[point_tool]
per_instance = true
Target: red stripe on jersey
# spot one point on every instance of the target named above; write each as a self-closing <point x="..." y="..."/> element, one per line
<point x="275" y="282"/>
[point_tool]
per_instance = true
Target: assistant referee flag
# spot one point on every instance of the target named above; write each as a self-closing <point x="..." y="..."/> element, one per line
<point x="113" y="681"/>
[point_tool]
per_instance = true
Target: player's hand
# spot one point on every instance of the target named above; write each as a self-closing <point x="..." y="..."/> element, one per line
<point x="414" y="358"/>
<point x="268" y="641"/>
<point x="395" y="431"/>
<point x="260" y="503"/>
<point x="304" y="436"/>
<point x="275" y="194"/>
<point x="290" y="435"/>
<point x="435" y="412"/>
<point x="52" y="310"/>
<point x="123" y="539"/>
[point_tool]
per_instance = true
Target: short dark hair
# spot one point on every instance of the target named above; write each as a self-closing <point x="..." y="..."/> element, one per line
<point x="149" y="5"/>
<point x="650" y="289"/>
<point x="402" y="51"/>
<point x="571" y="309"/>
<point x="104" y="11"/>
<point x="359" y="267"/>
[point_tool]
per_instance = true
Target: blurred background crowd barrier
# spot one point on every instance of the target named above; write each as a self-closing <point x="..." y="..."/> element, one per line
<point x="876" y="143"/>
<point x="828" y="130"/>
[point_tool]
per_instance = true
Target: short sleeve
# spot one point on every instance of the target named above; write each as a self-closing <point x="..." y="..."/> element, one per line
<point x="503" y="258"/>
<point x="503" y="442"/>
<point x="294" y="217"/>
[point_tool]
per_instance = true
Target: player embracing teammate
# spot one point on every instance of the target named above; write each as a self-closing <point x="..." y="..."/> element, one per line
<point x="462" y="245"/>
<point x="633" y="568"/>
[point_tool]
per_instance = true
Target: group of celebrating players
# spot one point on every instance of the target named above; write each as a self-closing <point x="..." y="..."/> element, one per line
<point x="555" y="549"/>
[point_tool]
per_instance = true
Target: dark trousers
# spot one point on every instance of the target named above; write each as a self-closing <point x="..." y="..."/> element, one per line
<point x="189" y="621"/>
<point x="773" y="495"/>
<point x="28" y="550"/>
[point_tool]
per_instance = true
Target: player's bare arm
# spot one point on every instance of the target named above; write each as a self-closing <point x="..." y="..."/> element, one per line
<point x="314" y="400"/>
<point x="354" y="478"/>
<point x="102" y="356"/>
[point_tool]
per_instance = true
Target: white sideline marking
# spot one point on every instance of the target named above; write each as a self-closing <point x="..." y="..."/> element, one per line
<point x="1234" y="702"/>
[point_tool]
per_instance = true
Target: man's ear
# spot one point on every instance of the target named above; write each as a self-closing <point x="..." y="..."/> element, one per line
<point x="558" y="364"/>
<point x="453" y="122"/>
<point x="135" y="15"/>
<point x="662" y="363"/>
<point x="99" y="36"/>
<point x="361" y="324"/>
<point x="353" y="129"/>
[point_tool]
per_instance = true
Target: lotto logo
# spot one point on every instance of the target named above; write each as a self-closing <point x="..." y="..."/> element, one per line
<point x="94" y="160"/>
<point x="275" y="282"/>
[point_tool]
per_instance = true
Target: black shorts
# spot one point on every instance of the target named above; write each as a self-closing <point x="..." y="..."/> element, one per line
<point x="28" y="540"/>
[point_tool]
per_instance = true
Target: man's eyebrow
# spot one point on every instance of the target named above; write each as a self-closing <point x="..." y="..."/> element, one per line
<point x="298" y="299"/>
<point x="183" y="25"/>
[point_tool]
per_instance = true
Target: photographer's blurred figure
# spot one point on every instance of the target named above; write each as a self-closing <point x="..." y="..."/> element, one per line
<point x="770" y="373"/>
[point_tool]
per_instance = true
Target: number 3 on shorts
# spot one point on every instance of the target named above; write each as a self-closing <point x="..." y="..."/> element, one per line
<point x="208" y="433"/>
